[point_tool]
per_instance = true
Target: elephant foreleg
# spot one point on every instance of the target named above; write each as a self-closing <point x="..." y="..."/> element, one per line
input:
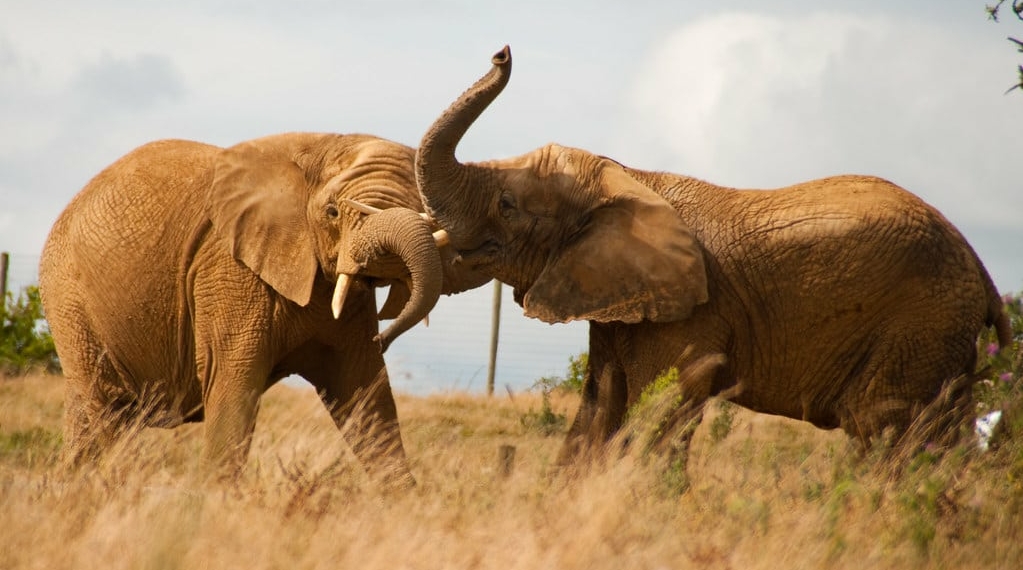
<point x="355" y="389"/>
<point x="230" y="418"/>
<point x="602" y="408"/>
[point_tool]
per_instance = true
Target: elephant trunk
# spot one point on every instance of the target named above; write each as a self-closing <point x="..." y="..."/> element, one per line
<point x="404" y="233"/>
<point x="441" y="178"/>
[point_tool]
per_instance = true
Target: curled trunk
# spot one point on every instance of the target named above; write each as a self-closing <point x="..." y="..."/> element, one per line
<point x="403" y="233"/>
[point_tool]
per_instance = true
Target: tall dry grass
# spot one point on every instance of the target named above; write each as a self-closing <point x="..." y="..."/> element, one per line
<point x="763" y="493"/>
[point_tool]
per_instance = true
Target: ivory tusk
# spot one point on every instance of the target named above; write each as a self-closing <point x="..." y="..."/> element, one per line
<point x="426" y="320"/>
<point x="368" y="210"/>
<point x="364" y="208"/>
<point x="441" y="237"/>
<point x="344" y="281"/>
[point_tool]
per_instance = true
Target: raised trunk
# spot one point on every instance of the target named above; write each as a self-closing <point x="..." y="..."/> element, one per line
<point x="404" y="233"/>
<point x="442" y="180"/>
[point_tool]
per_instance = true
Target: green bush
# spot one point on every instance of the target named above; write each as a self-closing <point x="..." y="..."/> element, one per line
<point x="25" y="341"/>
<point x="574" y="377"/>
<point x="546" y="421"/>
<point x="1002" y="387"/>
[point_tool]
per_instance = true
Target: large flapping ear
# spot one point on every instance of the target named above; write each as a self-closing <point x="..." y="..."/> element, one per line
<point x="257" y="204"/>
<point x="634" y="260"/>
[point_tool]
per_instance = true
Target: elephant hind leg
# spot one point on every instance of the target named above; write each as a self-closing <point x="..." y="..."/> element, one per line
<point x="92" y="425"/>
<point x="939" y="423"/>
<point x="665" y="420"/>
<point x="96" y="407"/>
<point x="910" y="403"/>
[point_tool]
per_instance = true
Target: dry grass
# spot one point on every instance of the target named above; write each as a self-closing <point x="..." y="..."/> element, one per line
<point x="764" y="493"/>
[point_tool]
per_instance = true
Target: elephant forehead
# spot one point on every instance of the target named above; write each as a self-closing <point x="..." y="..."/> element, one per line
<point x="544" y="196"/>
<point x="369" y="158"/>
<point x="564" y="160"/>
<point x="556" y="160"/>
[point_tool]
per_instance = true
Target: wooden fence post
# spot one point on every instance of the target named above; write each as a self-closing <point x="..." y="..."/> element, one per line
<point x="5" y="261"/>
<point x="505" y="460"/>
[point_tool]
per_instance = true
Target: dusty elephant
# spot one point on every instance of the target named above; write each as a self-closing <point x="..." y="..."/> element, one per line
<point x="846" y="302"/>
<point x="186" y="279"/>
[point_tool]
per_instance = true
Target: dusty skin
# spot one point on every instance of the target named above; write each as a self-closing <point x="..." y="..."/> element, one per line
<point x="766" y="493"/>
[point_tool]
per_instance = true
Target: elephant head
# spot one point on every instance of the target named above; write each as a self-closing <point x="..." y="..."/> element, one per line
<point x="282" y="204"/>
<point x="574" y="234"/>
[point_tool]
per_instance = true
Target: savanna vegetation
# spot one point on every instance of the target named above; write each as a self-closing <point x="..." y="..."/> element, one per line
<point x="25" y="341"/>
<point x="758" y="492"/>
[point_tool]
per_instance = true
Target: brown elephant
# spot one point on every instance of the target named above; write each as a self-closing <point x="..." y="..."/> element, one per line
<point x="185" y="279"/>
<point x="846" y="302"/>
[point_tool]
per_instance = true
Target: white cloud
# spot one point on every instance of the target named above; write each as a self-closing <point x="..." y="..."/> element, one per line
<point x="756" y="100"/>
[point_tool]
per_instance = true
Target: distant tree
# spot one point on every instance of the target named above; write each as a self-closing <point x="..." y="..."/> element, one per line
<point x="1017" y="9"/>
<point x="25" y="341"/>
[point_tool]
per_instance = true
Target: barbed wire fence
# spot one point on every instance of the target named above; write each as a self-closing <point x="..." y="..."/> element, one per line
<point x="453" y="353"/>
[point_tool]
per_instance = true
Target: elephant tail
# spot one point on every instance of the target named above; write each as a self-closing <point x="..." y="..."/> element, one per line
<point x="997" y="318"/>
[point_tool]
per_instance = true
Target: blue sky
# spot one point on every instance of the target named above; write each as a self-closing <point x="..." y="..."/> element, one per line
<point x="739" y="93"/>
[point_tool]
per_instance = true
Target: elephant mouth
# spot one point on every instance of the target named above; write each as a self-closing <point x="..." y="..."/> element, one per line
<point x="481" y="256"/>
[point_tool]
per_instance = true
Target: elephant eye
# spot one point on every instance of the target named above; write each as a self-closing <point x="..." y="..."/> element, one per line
<point x="331" y="211"/>
<point x="507" y="205"/>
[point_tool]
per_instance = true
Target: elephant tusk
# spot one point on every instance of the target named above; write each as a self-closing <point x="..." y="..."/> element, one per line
<point x="441" y="237"/>
<point x="370" y="210"/>
<point x="364" y="208"/>
<point x="426" y="320"/>
<point x="344" y="281"/>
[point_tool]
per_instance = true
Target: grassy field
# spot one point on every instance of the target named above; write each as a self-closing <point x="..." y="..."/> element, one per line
<point x="764" y="493"/>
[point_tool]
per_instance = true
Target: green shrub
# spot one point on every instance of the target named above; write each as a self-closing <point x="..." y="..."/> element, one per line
<point x="722" y="424"/>
<point x="1002" y="387"/>
<point x="546" y="421"/>
<point x="655" y="391"/>
<point x="1002" y="366"/>
<point x="574" y="377"/>
<point x="25" y="341"/>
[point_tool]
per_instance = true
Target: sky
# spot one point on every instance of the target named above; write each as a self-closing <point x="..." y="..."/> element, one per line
<point x="745" y="94"/>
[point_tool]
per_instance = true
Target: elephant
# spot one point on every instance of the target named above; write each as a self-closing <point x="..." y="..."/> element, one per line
<point x="846" y="302"/>
<point x="186" y="279"/>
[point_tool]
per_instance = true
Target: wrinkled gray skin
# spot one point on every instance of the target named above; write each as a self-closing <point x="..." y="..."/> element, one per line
<point x="846" y="302"/>
<point x="185" y="279"/>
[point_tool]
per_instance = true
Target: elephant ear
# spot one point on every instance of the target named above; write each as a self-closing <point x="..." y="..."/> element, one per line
<point x="257" y="204"/>
<point x="634" y="260"/>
